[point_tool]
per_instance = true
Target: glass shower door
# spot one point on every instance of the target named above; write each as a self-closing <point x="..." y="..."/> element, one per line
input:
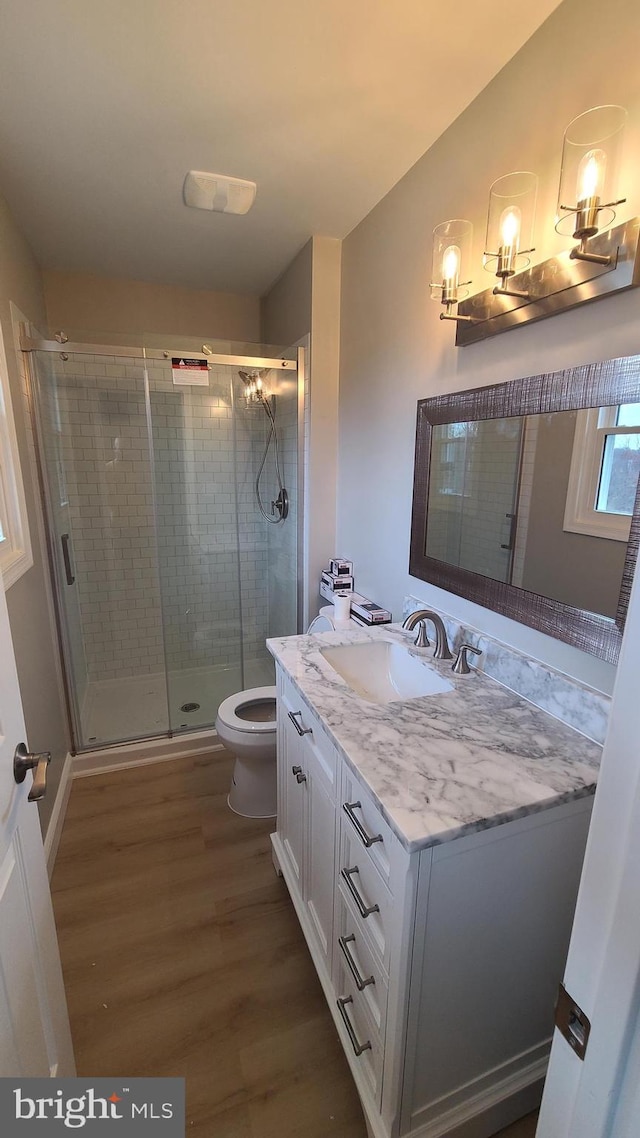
<point x="197" y="534"/>
<point x="228" y="573"/>
<point x="94" y="449"/>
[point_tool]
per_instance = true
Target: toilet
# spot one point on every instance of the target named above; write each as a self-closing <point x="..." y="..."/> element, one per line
<point x="246" y="724"/>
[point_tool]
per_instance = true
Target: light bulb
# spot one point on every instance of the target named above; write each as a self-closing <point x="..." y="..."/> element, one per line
<point x="510" y="226"/>
<point x="451" y="266"/>
<point x="591" y="173"/>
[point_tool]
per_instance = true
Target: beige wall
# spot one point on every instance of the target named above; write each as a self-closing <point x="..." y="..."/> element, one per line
<point x="323" y="425"/>
<point x="395" y="349"/>
<point x="286" y="308"/>
<point x="28" y="599"/>
<point x="83" y="303"/>
<point x="306" y="299"/>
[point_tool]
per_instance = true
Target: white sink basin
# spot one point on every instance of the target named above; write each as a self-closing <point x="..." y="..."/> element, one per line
<point x="383" y="671"/>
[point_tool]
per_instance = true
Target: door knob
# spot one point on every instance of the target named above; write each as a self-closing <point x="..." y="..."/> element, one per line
<point x="23" y="761"/>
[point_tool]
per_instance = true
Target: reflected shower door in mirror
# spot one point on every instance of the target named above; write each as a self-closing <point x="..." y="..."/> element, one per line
<point x="472" y="495"/>
<point x="525" y="499"/>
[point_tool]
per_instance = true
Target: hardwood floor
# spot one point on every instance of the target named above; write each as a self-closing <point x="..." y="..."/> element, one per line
<point x="182" y="955"/>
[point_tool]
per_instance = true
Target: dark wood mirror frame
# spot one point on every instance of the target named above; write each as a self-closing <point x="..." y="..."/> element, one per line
<point x="591" y="385"/>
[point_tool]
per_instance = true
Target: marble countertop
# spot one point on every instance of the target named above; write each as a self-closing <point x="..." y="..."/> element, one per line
<point x="442" y="766"/>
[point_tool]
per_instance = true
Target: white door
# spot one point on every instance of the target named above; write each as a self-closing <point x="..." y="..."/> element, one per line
<point x="34" y="1028"/>
<point x="600" y="1096"/>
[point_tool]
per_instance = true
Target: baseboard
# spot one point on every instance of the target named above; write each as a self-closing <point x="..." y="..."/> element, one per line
<point x="497" y="1105"/>
<point x="56" y="821"/>
<point x="144" y="753"/>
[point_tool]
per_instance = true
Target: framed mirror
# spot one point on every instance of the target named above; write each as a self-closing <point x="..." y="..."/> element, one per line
<point x="526" y="499"/>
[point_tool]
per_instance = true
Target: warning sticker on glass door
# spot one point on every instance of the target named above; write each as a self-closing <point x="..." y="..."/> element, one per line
<point x="190" y="371"/>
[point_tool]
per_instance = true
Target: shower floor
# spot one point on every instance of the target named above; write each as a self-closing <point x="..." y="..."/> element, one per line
<point x="136" y="706"/>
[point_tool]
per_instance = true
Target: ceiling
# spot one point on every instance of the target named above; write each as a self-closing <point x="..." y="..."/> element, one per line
<point x="105" y="105"/>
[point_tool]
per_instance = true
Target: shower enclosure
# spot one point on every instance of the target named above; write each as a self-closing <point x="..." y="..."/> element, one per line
<point x="168" y="578"/>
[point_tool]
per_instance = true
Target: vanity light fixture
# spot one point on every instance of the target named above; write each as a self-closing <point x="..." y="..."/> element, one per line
<point x="510" y="224"/>
<point x="605" y="261"/>
<point x="452" y="242"/>
<point x="591" y="154"/>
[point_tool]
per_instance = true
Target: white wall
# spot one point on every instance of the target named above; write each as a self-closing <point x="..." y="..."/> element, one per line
<point x="394" y="348"/>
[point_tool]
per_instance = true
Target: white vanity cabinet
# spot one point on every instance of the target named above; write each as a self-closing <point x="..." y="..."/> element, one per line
<point x="440" y="966"/>
<point x="307" y="771"/>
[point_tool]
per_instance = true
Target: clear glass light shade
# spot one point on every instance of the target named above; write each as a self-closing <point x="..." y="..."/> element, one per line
<point x="452" y="248"/>
<point x="589" y="178"/>
<point x="510" y="223"/>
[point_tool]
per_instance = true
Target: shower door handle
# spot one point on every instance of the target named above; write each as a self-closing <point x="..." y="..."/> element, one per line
<point x="67" y="559"/>
<point x="512" y="532"/>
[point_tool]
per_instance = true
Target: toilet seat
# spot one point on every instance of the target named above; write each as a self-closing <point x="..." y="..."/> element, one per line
<point x="228" y="711"/>
<point x="321" y="623"/>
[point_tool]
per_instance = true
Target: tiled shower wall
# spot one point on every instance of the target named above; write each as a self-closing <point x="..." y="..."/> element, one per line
<point x="101" y="470"/>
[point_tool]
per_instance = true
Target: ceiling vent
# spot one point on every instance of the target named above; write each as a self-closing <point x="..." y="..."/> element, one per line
<point x="218" y="192"/>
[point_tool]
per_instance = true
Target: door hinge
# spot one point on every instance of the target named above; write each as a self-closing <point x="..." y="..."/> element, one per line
<point x="572" y="1022"/>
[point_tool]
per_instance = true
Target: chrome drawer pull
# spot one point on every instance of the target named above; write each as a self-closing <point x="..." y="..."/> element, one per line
<point x="365" y="838"/>
<point x="301" y="730"/>
<point x="342" y="1008"/>
<point x="297" y="771"/>
<point x="361" y="983"/>
<point x="362" y="908"/>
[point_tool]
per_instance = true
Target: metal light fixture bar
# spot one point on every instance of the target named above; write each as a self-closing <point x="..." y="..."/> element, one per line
<point x="555" y="285"/>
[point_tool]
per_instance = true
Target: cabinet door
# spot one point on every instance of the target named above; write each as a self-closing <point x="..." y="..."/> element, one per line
<point x="292" y="791"/>
<point x="321" y="852"/>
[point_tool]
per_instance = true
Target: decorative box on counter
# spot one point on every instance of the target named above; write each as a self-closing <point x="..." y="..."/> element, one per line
<point x="338" y="567"/>
<point x="330" y="584"/>
<point x="365" y="611"/>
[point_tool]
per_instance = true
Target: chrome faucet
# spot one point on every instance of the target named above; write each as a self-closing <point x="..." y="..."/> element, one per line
<point x="442" y="650"/>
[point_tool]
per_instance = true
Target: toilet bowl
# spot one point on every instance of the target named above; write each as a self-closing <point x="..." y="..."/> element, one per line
<point x="246" y="724"/>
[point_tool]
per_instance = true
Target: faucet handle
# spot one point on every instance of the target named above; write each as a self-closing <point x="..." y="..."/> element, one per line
<point x="461" y="666"/>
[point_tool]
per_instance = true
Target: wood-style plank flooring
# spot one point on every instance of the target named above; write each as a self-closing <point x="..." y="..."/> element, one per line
<point x="182" y="955"/>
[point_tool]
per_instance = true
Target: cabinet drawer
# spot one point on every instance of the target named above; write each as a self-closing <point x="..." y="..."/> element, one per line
<point x="362" y="816"/>
<point x="366" y="970"/>
<point x="308" y="727"/>
<point x="369" y="899"/>
<point x="360" y="1037"/>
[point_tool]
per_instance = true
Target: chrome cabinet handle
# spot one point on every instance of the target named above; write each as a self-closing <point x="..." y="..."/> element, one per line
<point x="68" y="571"/>
<point x="365" y="838"/>
<point x="23" y="761"/>
<point x="364" y="910"/>
<point x="301" y="730"/>
<point x="342" y="1008"/>
<point x="361" y="982"/>
<point x="297" y="771"/>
